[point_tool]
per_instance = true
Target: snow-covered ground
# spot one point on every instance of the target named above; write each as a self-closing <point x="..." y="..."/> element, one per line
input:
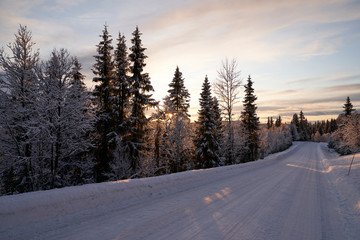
<point x="302" y="193"/>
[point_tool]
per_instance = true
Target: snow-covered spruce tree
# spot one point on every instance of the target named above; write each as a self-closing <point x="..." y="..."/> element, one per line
<point x="295" y="126"/>
<point x="18" y="118"/>
<point x="120" y="97"/>
<point x="218" y="129"/>
<point x="227" y="88"/>
<point x="249" y="124"/>
<point x="207" y="147"/>
<point x="122" y="84"/>
<point x="141" y="101"/>
<point x="77" y="80"/>
<point x="348" y="107"/>
<point x="177" y="124"/>
<point x="105" y="126"/>
<point x="178" y="94"/>
<point x="303" y="128"/>
<point x="295" y="120"/>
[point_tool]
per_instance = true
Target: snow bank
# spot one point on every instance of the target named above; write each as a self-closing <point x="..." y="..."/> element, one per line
<point x="347" y="187"/>
<point x="29" y="207"/>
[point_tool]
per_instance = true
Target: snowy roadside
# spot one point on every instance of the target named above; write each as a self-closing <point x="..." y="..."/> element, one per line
<point x="31" y="207"/>
<point x="347" y="188"/>
<point x="301" y="193"/>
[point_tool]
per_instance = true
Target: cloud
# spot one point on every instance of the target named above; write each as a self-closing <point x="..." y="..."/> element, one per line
<point x="329" y="79"/>
<point x="346" y="88"/>
<point x="253" y="30"/>
<point x="13" y="13"/>
<point x="321" y="46"/>
<point x="196" y="35"/>
<point x="69" y="3"/>
<point x="322" y="102"/>
<point x="46" y="33"/>
<point x="312" y="112"/>
<point x="259" y="30"/>
<point x="235" y="11"/>
<point x="269" y="93"/>
<point x="333" y="94"/>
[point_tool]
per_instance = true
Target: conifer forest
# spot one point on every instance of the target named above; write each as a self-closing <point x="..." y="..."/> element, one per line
<point x="55" y="132"/>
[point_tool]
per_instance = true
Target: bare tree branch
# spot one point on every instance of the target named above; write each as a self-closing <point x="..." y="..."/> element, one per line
<point x="227" y="87"/>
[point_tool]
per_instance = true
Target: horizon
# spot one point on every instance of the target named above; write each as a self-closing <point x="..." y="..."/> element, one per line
<point x="300" y="56"/>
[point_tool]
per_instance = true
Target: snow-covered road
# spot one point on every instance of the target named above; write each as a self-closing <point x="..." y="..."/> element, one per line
<point x="302" y="193"/>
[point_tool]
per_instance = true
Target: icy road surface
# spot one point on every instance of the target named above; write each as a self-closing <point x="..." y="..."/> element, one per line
<point x="302" y="193"/>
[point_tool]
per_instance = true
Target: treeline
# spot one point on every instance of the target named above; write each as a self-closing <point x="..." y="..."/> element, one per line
<point x="342" y="134"/>
<point x="56" y="133"/>
<point x="346" y="139"/>
<point x="307" y="131"/>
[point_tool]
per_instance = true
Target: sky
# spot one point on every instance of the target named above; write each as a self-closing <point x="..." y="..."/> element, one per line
<point x="301" y="55"/>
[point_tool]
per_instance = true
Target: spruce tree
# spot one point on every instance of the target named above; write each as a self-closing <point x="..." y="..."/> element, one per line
<point x="327" y="127"/>
<point x="303" y="129"/>
<point x="81" y="125"/>
<point x="321" y="127"/>
<point x="301" y="118"/>
<point x="348" y="107"/>
<point x="122" y="84"/>
<point x="268" y="124"/>
<point x="141" y="101"/>
<point x="178" y="94"/>
<point x="218" y="129"/>
<point x="333" y="125"/>
<point x="104" y="71"/>
<point x="278" y="121"/>
<point x="177" y="128"/>
<point x="250" y="123"/>
<point x="207" y="147"/>
<point x="77" y="80"/>
<point x="295" y="120"/>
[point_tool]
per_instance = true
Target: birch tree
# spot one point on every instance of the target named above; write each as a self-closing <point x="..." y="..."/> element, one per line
<point x="227" y="88"/>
